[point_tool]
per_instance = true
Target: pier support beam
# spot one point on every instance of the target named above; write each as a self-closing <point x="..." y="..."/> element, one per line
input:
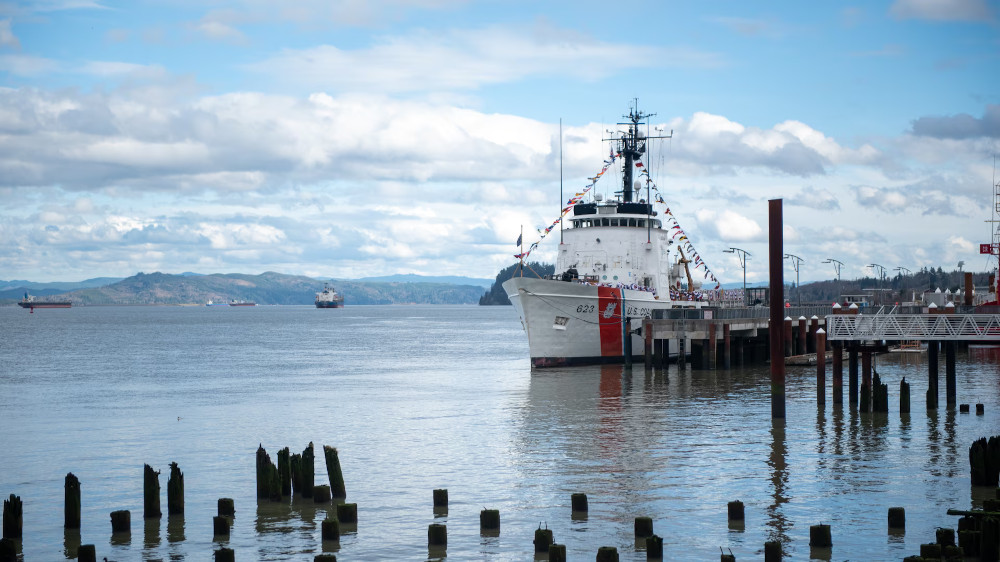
<point x="788" y="337"/>
<point x="713" y="346"/>
<point x="801" y="348"/>
<point x="627" y="340"/>
<point x="932" y="375"/>
<point x="949" y="374"/>
<point x="647" y="339"/>
<point x="775" y="251"/>
<point x="852" y="375"/>
<point x="866" y="381"/>
<point x="838" y="373"/>
<point x="727" y="362"/>
<point x="820" y="367"/>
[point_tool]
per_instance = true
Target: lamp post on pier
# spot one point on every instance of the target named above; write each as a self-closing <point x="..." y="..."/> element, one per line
<point x="796" y="261"/>
<point x="881" y="277"/>
<point x="836" y="266"/>
<point x="742" y="255"/>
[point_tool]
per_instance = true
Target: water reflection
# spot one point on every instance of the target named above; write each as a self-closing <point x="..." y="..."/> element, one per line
<point x="778" y="525"/>
<point x="151" y="533"/>
<point x="71" y="542"/>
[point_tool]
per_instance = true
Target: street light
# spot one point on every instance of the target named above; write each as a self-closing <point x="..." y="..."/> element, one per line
<point x="742" y="254"/>
<point x="881" y="275"/>
<point x="836" y="265"/>
<point x="796" y="261"/>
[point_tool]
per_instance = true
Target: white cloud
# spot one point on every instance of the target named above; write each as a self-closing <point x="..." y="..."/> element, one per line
<point x="27" y="65"/>
<point x="466" y="60"/>
<point x="728" y="226"/>
<point x="7" y="37"/>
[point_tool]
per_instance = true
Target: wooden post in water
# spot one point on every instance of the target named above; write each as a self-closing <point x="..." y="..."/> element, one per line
<point x="866" y="381"/>
<point x="654" y="547"/>
<point x="932" y="374"/>
<point x="441" y="498"/>
<point x="727" y="362"/>
<point x="489" y="520"/>
<point x="437" y="535"/>
<point x="607" y="554"/>
<point x="713" y="346"/>
<point x="308" y="471"/>
<point x="813" y="329"/>
<point x="72" y="507"/>
<point x="13" y="517"/>
<point x="949" y="374"/>
<point x="735" y="510"/>
<point x="175" y="491"/>
<point x="647" y="336"/>
<point x="803" y="339"/>
<point x="121" y="521"/>
<point x="904" y="396"/>
<point x="268" y="481"/>
<point x="86" y="553"/>
<point x="543" y="538"/>
<point x="150" y="493"/>
<point x="777" y="289"/>
<point x="578" y="502"/>
<point x="838" y="373"/>
<point x="224" y="555"/>
<point x="330" y="529"/>
<point x="819" y="535"/>
<point x="227" y="507"/>
<point x="789" y="346"/>
<point x="643" y="527"/>
<point x="897" y="518"/>
<point x="626" y="338"/>
<point x="321" y="494"/>
<point x="557" y="552"/>
<point x="772" y="551"/>
<point x="295" y="467"/>
<point x="220" y="526"/>
<point x="852" y="373"/>
<point x="347" y="513"/>
<point x="820" y="366"/>
<point x="285" y="471"/>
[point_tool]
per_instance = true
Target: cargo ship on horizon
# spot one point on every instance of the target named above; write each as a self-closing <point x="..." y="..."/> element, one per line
<point x="31" y="302"/>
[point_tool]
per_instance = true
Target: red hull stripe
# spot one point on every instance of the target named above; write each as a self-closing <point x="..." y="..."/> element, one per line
<point x="609" y="318"/>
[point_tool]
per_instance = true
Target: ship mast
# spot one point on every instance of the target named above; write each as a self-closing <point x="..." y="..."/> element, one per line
<point x="632" y="145"/>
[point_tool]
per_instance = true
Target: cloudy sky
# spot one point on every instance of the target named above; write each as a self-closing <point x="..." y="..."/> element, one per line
<point x="350" y="138"/>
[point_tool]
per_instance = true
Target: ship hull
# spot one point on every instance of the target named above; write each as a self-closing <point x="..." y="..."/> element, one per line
<point x="45" y="305"/>
<point x="339" y="304"/>
<point x="571" y="323"/>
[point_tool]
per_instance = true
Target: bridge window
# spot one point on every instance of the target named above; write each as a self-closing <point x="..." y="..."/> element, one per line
<point x="642" y="223"/>
<point x="631" y="222"/>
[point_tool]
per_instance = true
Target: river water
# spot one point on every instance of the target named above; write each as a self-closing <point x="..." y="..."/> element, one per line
<point x="423" y="397"/>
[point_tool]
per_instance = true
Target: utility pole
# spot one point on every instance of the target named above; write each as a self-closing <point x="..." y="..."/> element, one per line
<point x="742" y="254"/>
<point x="796" y="261"/>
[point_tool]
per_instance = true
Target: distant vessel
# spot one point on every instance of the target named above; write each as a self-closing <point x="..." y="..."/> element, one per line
<point x="329" y="298"/>
<point x="213" y="303"/>
<point x="242" y="303"/>
<point x="32" y="303"/>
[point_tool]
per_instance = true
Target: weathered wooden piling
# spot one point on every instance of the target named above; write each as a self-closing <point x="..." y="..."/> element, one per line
<point x="772" y="551"/>
<point x="713" y="346"/>
<point x="963" y="408"/>
<point x="984" y="461"/>
<point x="735" y="509"/>
<point x="557" y="553"/>
<point x="727" y="557"/>
<point x="347" y="513"/>
<point x="175" y="490"/>
<point x="543" y="538"/>
<point x="441" y="498"/>
<point x="437" y="535"/>
<point x="489" y="520"/>
<point x="150" y="493"/>
<point x="803" y="339"/>
<point x="654" y="547"/>
<point x="727" y="348"/>
<point x="295" y="467"/>
<point x="308" y="471"/>
<point x="225" y="555"/>
<point x="904" y="396"/>
<point x="838" y="373"/>
<point x="944" y="536"/>
<point x="285" y="471"/>
<point x="852" y="373"/>
<point x="989" y="539"/>
<point x="789" y="347"/>
<point x="86" y="553"/>
<point x="880" y="395"/>
<point x="321" y="494"/>
<point x="643" y="527"/>
<point x="578" y="502"/>
<point x="775" y="251"/>
<point x="220" y="526"/>
<point x="607" y="554"/>
<point x="226" y="507"/>
<point x="325" y="558"/>
<point x="932" y="374"/>
<point x="950" y="384"/>
<point x="268" y="481"/>
<point x="897" y="519"/>
<point x="334" y="473"/>
<point x="820" y="346"/>
<point x="330" y="529"/>
<point x="819" y="535"/>
<point x="866" y="382"/>
<point x="8" y="550"/>
<point x="71" y="509"/>
<point x="930" y="551"/>
<point x="121" y="521"/>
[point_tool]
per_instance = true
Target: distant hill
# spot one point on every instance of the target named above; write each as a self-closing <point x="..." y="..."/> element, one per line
<point x="414" y="278"/>
<point x="497" y="296"/>
<point x="266" y="288"/>
<point x="61" y="286"/>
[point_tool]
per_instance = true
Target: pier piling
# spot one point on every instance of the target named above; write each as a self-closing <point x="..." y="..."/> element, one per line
<point x="803" y="345"/>
<point x="321" y="494"/>
<point x="308" y="471"/>
<point x="819" y="536"/>
<point x="578" y="502"/>
<point x="772" y="551"/>
<point x="268" y="481"/>
<point x="330" y="529"/>
<point x="220" y="526"/>
<point x="727" y="362"/>
<point x="787" y="335"/>
<point x="607" y="554"/>
<point x="437" y="535"/>
<point x="777" y="283"/>
<point x="121" y="521"/>
<point x="175" y="491"/>
<point x="713" y="346"/>
<point x="647" y="337"/>
<point x="949" y="377"/>
<point x="8" y="550"/>
<point x="150" y="493"/>
<point x="72" y="504"/>
<point x="489" y="520"/>
<point x="227" y="507"/>
<point x="852" y="374"/>
<point x="866" y="382"/>
<point x="285" y="471"/>
<point x="932" y="374"/>
<point x="897" y="518"/>
<point x="441" y="498"/>
<point x="347" y="513"/>
<point x="820" y="346"/>
<point x="654" y="548"/>
<point x="838" y="373"/>
<point x="736" y="511"/>
<point x="86" y="553"/>
<point x="643" y="527"/>
<point x="225" y="555"/>
<point x="557" y="553"/>
<point x="904" y="396"/>
<point x="543" y="538"/>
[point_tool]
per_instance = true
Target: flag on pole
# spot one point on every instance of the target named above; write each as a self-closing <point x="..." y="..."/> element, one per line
<point x="518" y="243"/>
